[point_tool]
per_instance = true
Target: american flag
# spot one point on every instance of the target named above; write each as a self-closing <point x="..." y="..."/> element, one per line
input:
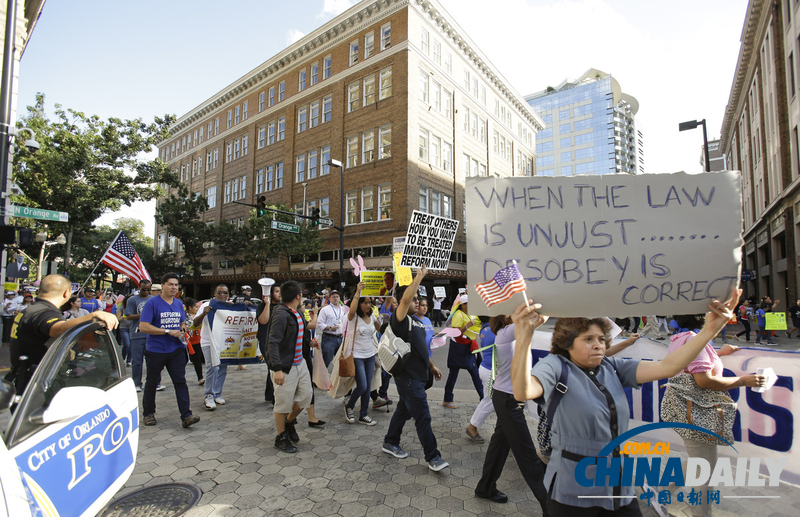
<point x="121" y="256"/>
<point x="505" y="283"/>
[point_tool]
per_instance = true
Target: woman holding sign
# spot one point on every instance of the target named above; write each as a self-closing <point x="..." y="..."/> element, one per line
<point x="360" y="331"/>
<point x="593" y="410"/>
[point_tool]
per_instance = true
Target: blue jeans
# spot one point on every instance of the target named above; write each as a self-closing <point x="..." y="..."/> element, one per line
<point x="763" y="332"/>
<point x="138" y="341"/>
<point x="413" y="403"/>
<point x="452" y="377"/>
<point x="215" y="375"/>
<point x="125" y="341"/>
<point x="175" y="362"/>
<point x="330" y="345"/>
<point x="365" y="368"/>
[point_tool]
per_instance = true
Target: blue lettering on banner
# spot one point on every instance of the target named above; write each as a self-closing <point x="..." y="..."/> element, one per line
<point x="75" y="466"/>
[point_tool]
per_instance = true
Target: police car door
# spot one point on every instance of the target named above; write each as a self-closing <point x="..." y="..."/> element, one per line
<point x="75" y="432"/>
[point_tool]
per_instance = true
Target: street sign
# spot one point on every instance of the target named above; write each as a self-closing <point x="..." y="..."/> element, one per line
<point x="39" y="213"/>
<point x="325" y="221"/>
<point x="285" y="227"/>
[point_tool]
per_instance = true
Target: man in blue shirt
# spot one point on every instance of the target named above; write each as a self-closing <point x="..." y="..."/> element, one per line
<point x="89" y="302"/>
<point x="162" y="319"/>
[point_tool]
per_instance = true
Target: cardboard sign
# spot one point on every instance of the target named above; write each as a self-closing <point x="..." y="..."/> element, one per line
<point x="439" y="292"/>
<point x="611" y="245"/>
<point x="776" y="321"/>
<point x="403" y="273"/>
<point x="429" y="241"/>
<point x="422" y="291"/>
<point x="377" y="283"/>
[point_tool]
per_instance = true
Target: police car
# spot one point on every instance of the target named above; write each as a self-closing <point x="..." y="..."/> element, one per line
<point x="71" y="442"/>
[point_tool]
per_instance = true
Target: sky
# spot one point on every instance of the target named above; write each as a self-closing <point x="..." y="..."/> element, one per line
<point x="148" y="58"/>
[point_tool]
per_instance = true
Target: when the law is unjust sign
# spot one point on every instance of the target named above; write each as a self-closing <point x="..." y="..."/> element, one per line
<point x="429" y="241"/>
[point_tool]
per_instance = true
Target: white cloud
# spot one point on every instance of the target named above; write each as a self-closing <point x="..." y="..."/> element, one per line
<point x="293" y="36"/>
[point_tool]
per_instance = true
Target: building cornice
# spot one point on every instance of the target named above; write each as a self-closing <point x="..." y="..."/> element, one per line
<point x="756" y="15"/>
<point x="448" y="27"/>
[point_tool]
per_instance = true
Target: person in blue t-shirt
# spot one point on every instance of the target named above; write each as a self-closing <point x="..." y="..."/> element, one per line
<point x="761" y="320"/>
<point x="422" y="310"/>
<point x="162" y="319"/>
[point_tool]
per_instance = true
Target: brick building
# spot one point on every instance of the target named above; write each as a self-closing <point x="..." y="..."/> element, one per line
<point x="393" y="89"/>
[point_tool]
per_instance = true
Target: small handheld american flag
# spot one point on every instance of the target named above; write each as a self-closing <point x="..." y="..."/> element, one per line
<point x="121" y="256"/>
<point x="505" y="283"/>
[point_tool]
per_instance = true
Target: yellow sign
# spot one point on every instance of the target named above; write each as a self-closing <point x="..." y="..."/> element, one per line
<point x="10" y="286"/>
<point x="403" y="273"/>
<point x="377" y="283"/>
<point x="776" y="321"/>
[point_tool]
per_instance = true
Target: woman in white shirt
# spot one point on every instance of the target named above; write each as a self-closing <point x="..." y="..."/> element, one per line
<point x="359" y="336"/>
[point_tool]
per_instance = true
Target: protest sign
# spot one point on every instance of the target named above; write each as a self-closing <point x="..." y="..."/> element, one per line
<point x="233" y="333"/>
<point x="13" y="286"/>
<point x="776" y="321"/>
<point x="374" y="282"/>
<point x="423" y="291"/>
<point x="610" y="245"/>
<point x="403" y="273"/>
<point x="439" y="292"/>
<point x="429" y="241"/>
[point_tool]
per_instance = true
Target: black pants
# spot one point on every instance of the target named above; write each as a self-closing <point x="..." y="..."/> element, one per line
<point x="512" y="434"/>
<point x="746" y="331"/>
<point x="197" y="360"/>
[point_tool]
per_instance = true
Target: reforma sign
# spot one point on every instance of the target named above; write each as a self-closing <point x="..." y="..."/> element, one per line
<point x="611" y="245"/>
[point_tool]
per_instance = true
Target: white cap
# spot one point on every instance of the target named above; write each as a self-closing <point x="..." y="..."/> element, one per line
<point x="463" y="299"/>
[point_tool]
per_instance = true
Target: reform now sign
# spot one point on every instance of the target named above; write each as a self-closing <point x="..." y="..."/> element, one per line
<point x="39" y="213"/>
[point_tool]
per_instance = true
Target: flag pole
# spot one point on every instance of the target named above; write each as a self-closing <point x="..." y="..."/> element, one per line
<point x="524" y="293"/>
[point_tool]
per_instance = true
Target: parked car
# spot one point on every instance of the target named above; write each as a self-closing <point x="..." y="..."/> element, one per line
<point x="72" y="439"/>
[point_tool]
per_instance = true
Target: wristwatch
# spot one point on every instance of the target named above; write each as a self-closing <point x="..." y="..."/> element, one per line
<point x="166" y="331"/>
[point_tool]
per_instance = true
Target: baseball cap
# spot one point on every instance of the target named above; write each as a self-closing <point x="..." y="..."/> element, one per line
<point x="331" y="293"/>
<point x="464" y="299"/>
<point x="156" y="287"/>
<point x="88" y="289"/>
<point x="10" y="292"/>
<point x="246" y="288"/>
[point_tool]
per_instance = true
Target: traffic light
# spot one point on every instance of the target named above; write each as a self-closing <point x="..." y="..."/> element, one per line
<point x="315" y="217"/>
<point x="262" y="206"/>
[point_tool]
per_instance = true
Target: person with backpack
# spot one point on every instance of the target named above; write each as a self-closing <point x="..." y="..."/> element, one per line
<point x="411" y="380"/>
<point x="593" y="408"/>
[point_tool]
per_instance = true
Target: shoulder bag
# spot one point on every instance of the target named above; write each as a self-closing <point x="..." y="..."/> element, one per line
<point x="687" y="403"/>
<point x="347" y="365"/>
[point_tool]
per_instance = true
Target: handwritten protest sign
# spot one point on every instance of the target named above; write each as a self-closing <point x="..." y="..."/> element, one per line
<point x="613" y="245"/>
<point x="429" y="241"/>
<point x="439" y="292"/>
<point x="776" y="321"/>
<point x="373" y="282"/>
<point x="403" y="273"/>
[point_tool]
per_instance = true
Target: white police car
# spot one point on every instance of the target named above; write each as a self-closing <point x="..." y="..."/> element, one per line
<point x="71" y="443"/>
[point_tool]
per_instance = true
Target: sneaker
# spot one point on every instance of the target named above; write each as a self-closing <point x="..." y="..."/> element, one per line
<point x="380" y="402"/>
<point x="149" y="420"/>
<point x="449" y="405"/>
<point x="128" y="365"/>
<point x="219" y="400"/>
<point x="189" y="421"/>
<point x="437" y="464"/>
<point x="349" y="415"/>
<point x="394" y="450"/>
<point x="282" y="443"/>
<point x="160" y="388"/>
<point x="209" y="403"/>
<point x="138" y="389"/>
<point x="291" y="432"/>
<point x="366" y="420"/>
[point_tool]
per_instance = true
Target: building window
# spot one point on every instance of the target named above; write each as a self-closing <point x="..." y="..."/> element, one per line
<point x="244" y="110"/>
<point x="385" y="135"/>
<point x="245" y="144"/>
<point x="216" y="157"/>
<point x="301" y="80"/>
<point x="424" y="42"/>
<point x="369" y="90"/>
<point x="216" y="126"/>
<point x="423" y="199"/>
<point x="313" y="164"/>
<point x="281" y="128"/>
<point x="237" y="149"/>
<point x="327" y="108"/>
<point x="386" y="36"/>
<point x="424" y="94"/>
<point x="271" y="95"/>
<point x="437" y="52"/>
<point x="385" y="201"/>
<point x="314" y="74"/>
<point x="270" y="178"/>
<point x="351" y="207"/>
<point x="229" y="152"/>
<point x="352" y="151"/>
<point x="368" y="146"/>
<point x="302" y="119"/>
<point x="230" y="119"/>
<point x="211" y="196"/>
<point x="448" y="63"/>
<point x="436" y="202"/>
<point x="300" y="169"/>
<point x="447" y="156"/>
<point x="324" y="207"/>
<point x="386" y="83"/>
<point x="423" y="145"/>
<point x="447" y="206"/>
<point x="261" y="97"/>
<point x="326" y="158"/>
<point x="161" y="242"/>
<point x="281" y="91"/>
<point x="210" y="129"/>
<point x="352" y="97"/>
<point x="369" y="45"/>
<point x="238" y="114"/>
<point x="262" y="137"/>
<point x="326" y="67"/>
<point x="271" y="133"/>
<point x="353" y="53"/>
<point x="260" y="181"/>
<point x="367" y="213"/>
<point x="435" y="151"/>
<point x="314" y="119"/>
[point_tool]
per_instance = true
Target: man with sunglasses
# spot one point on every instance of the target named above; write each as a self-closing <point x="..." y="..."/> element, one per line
<point x="215" y="375"/>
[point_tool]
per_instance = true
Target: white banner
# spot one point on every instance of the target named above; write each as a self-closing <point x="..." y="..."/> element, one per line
<point x="611" y="245"/>
<point x="233" y="333"/>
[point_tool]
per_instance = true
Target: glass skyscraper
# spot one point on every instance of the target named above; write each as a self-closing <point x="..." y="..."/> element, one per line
<point x="590" y="128"/>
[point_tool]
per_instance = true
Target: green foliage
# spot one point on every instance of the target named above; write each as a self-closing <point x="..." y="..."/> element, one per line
<point x="181" y="216"/>
<point x="274" y="243"/>
<point x="232" y="242"/>
<point x="87" y="166"/>
<point x="89" y="246"/>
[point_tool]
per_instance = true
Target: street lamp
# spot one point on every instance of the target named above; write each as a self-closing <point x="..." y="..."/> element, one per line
<point x="41" y="237"/>
<point x="340" y="165"/>
<point x="692" y="124"/>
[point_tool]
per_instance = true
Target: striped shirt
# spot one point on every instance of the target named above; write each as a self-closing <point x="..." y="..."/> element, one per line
<point x="298" y="347"/>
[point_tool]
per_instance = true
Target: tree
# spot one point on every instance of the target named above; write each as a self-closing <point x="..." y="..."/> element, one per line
<point x="87" y="166"/>
<point x="182" y="216"/>
<point x="276" y="243"/>
<point x="232" y="241"/>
